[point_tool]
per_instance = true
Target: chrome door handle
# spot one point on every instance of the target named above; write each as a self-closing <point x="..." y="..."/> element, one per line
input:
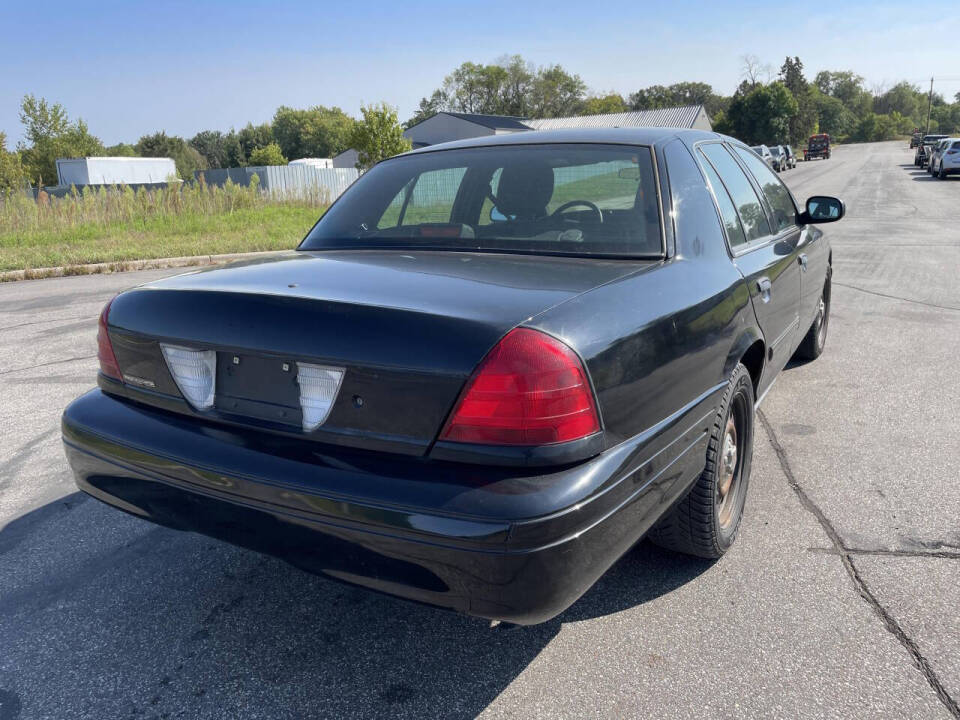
<point x="802" y="259"/>
<point x="764" y="286"/>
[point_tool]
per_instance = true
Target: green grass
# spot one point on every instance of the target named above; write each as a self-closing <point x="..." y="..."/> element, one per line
<point x="102" y="227"/>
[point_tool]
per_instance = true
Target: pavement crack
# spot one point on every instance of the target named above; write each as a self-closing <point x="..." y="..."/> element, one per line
<point x="47" y="321"/>
<point x="898" y="297"/>
<point x="846" y="557"/>
<point x="52" y="362"/>
<point x="880" y="552"/>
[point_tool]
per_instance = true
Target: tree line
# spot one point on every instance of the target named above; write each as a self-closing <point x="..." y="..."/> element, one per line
<point x="767" y="107"/>
<point x="784" y="107"/>
<point x="292" y="134"/>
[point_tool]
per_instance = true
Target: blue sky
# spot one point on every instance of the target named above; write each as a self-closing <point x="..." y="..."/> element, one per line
<point x="130" y="68"/>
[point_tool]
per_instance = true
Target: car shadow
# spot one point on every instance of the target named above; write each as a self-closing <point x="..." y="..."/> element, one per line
<point x="105" y="615"/>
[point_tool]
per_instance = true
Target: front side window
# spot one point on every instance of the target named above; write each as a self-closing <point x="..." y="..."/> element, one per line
<point x="752" y="214"/>
<point x="584" y="199"/>
<point x="778" y="197"/>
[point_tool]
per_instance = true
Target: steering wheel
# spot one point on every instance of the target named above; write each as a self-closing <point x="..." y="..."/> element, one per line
<point x="575" y="203"/>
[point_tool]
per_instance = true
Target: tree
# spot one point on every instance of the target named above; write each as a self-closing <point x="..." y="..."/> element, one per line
<point x="509" y="86"/>
<point x="683" y="93"/>
<point x="556" y="93"/>
<point x="315" y="132"/>
<point x="120" y="150"/>
<point x="903" y="98"/>
<point x="605" y="104"/>
<point x="753" y="72"/>
<point x="378" y="136"/>
<point x="847" y="87"/>
<point x="762" y="115"/>
<point x="252" y="137"/>
<point x="212" y="144"/>
<point x="12" y="176"/>
<point x="52" y="135"/>
<point x="268" y="155"/>
<point x="186" y="157"/>
<point x="428" y="108"/>
<point x="834" y="118"/>
<point x="804" y="121"/>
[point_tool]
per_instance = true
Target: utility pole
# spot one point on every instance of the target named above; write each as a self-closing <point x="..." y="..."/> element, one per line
<point x="929" y="106"/>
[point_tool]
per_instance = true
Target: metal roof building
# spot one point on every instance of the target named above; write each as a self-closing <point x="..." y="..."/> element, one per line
<point x="446" y="126"/>
<point x="690" y="116"/>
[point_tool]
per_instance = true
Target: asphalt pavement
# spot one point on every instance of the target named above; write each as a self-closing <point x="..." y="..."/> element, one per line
<point x="839" y="599"/>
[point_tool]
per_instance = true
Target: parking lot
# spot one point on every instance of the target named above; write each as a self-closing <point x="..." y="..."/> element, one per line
<point x="838" y="600"/>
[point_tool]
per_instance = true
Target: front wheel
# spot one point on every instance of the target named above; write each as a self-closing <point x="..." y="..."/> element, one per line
<point x="706" y="521"/>
<point x="811" y="347"/>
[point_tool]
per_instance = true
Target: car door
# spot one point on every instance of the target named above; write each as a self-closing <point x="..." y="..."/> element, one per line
<point x="812" y="255"/>
<point x="766" y="257"/>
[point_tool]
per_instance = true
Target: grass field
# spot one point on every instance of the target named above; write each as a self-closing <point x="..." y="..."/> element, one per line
<point x="124" y="225"/>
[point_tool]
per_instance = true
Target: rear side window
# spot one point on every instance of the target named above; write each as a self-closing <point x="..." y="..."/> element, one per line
<point x="694" y="214"/>
<point x="727" y="211"/>
<point x="784" y="211"/>
<point x="748" y="205"/>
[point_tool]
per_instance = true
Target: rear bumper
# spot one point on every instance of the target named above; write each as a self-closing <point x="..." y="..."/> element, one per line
<point x="498" y="543"/>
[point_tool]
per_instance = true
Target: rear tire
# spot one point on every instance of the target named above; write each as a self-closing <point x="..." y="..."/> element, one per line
<point x="705" y="523"/>
<point x="811" y="347"/>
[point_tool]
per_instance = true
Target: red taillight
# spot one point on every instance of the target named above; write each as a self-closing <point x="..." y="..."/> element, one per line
<point x="531" y="389"/>
<point x="108" y="361"/>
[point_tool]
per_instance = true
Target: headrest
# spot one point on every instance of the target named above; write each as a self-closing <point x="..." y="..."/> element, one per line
<point x="524" y="190"/>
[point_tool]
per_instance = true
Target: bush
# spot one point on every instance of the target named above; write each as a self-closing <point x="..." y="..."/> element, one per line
<point x="268" y="155"/>
<point x="12" y="176"/>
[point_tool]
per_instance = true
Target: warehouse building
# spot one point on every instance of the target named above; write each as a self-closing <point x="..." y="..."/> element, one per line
<point x="448" y="126"/>
<point x="690" y="116"/>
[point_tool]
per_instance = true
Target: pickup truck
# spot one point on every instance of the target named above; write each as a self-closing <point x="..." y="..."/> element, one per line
<point x="818" y="146"/>
<point x="924" y="148"/>
<point x="489" y="369"/>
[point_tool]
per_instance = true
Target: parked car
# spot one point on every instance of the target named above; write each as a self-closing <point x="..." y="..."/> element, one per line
<point x="818" y="146"/>
<point x="945" y="160"/>
<point x="780" y="161"/>
<point x="764" y="152"/>
<point x="791" y="156"/>
<point x="934" y="152"/>
<point x="488" y="370"/>
<point x="922" y="156"/>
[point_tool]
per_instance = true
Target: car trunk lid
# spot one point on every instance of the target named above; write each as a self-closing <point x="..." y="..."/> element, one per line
<point x="407" y="328"/>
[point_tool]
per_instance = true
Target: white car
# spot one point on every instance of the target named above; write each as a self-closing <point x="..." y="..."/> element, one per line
<point x="945" y="158"/>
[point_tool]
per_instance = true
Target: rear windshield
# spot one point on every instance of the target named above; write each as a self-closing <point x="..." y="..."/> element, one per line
<point x="775" y="150"/>
<point x="584" y="199"/>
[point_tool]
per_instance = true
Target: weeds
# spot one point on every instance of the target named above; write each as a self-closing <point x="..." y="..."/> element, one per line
<point x="120" y="223"/>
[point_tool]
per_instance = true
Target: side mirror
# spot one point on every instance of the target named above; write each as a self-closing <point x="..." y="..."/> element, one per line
<point x="822" y="209"/>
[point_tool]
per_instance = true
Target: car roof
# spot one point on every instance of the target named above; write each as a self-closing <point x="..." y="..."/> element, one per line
<point x="618" y="136"/>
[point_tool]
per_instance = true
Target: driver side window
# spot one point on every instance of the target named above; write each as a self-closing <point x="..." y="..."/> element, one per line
<point x="776" y="193"/>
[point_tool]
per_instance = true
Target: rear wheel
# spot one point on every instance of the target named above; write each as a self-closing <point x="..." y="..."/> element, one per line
<point x="706" y="521"/>
<point x="811" y="347"/>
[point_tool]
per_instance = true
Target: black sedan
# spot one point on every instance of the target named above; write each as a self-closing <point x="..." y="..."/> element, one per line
<point x="488" y="370"/>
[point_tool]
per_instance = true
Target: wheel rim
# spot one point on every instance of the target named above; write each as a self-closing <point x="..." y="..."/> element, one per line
<point x="730" y="465"/>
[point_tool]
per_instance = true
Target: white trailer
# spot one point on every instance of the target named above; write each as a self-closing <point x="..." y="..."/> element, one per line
<point x="114" y="171"/>
<point x="322" y="163"/>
